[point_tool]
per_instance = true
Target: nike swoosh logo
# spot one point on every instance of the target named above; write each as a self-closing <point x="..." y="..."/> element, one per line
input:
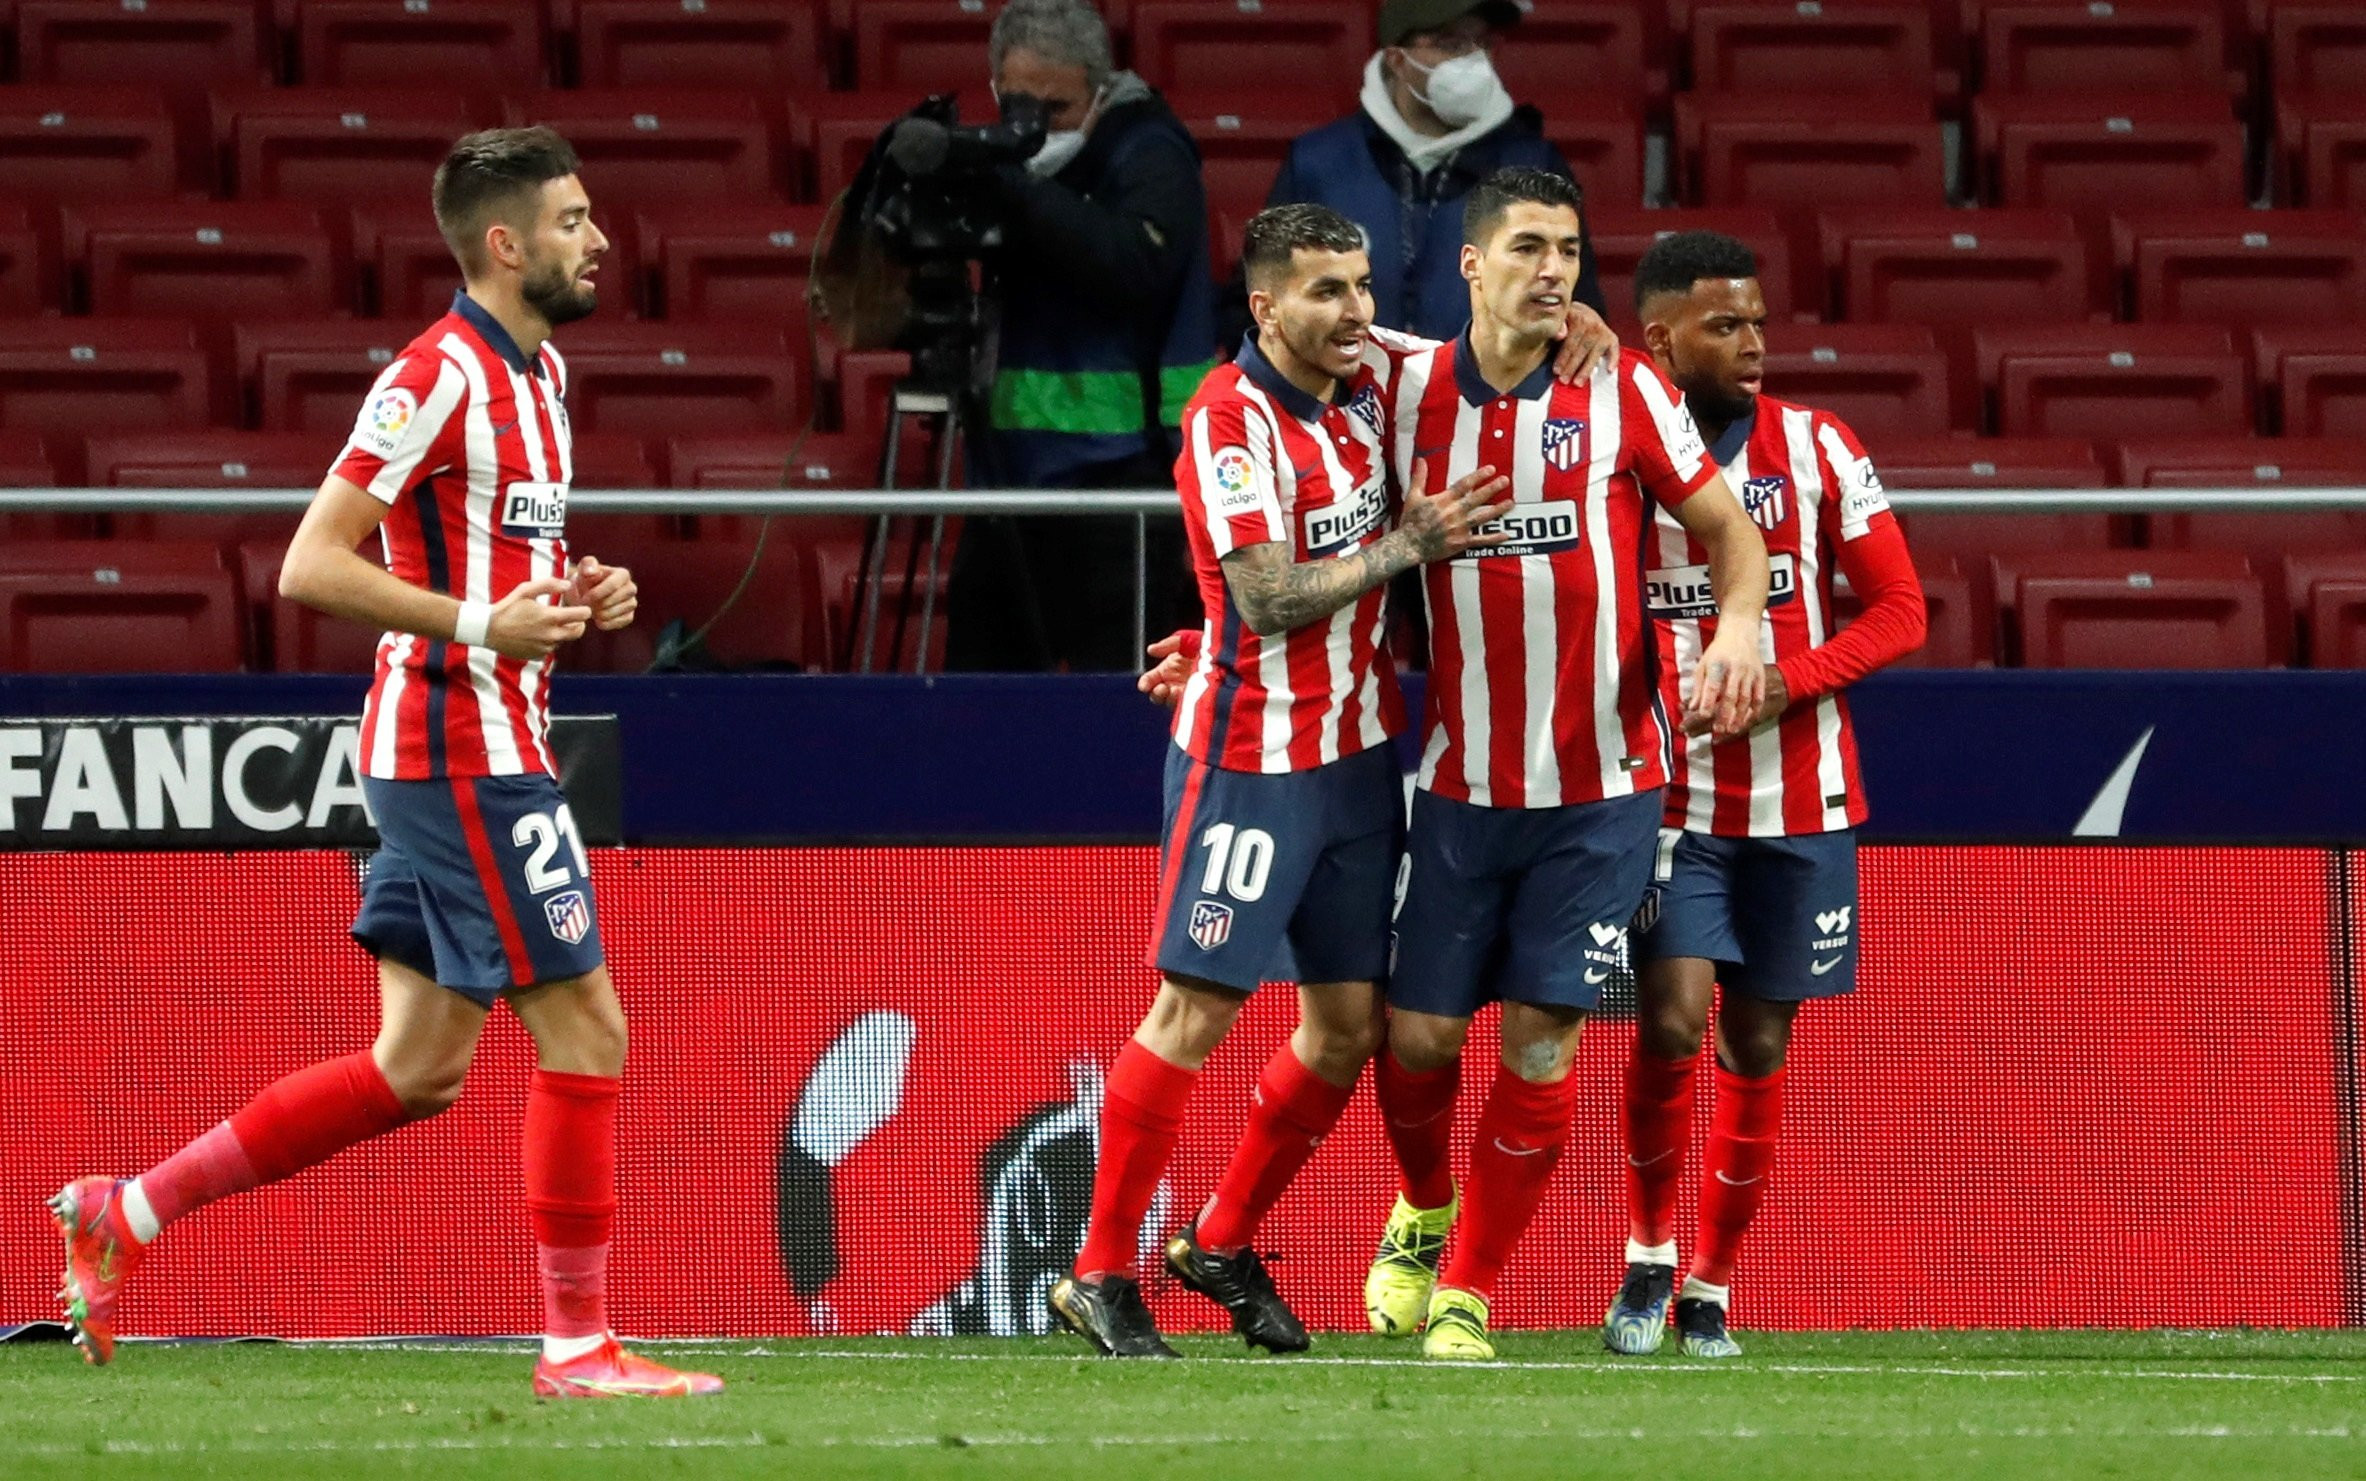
<point x="1744" y="1183"/>
<point x="1596" y="976"/>
<point x="1646" y="1162"/>
<point x="1515" y="1151"/>
<point x="1820" y="968"/>
<point x="506" y="428"/>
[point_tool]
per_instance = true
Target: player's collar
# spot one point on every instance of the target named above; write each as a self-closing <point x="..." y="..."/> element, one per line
<point x="1732" y="440"/>
<point x="1299" y="403"/>
<point x="1474" y="386"/>
<point x="490" y="331"/>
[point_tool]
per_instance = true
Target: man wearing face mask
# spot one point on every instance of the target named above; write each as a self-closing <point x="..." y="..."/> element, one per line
<point x="1108" y="326"/>
<point x="1434" y="120"/>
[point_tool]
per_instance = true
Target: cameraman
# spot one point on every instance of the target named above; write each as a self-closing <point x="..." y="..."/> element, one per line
<point x="1108" y="326"/>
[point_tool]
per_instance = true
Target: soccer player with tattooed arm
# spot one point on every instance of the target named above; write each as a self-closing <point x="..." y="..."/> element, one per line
<point x="1753" y="902"/>
<point x="460" y="461"/>
<point x="1284" y="806"/>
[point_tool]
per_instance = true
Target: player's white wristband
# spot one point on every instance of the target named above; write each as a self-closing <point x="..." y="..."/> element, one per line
<point x="475" y="618"/>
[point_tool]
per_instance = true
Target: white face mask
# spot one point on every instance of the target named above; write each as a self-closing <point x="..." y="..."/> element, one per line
<point x="1460" y="90"/>
<point x="1060" y="147"/>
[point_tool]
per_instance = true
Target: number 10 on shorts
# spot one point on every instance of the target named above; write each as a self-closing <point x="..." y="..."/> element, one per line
<point x="1239" y="861"/>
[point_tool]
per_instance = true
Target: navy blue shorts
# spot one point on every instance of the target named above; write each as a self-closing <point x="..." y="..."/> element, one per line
<point x="1525" y="905"/>
<point x="479" y="883"/>
<point x="1270" y="877"/>
<point x="1777" y="915"/>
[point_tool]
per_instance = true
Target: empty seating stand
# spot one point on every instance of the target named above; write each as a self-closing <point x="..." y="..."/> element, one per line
<point x="2116" y="380"/>
<point x="775" y="49"/>
<point x="114" y="606"/>
<point x="219" y="262"/>
<point x="2245" y="267"/>
<point x="2164" y="609"/>
<point x="1881" y="379"/>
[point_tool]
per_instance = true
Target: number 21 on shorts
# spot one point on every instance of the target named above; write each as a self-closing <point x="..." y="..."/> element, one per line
<point x="1239" y="861"/>
<point x="541" y="832"/>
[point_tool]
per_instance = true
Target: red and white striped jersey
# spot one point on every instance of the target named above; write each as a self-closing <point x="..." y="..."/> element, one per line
<point x="1263" y="461"/>
<point x="466" y="441"/>
<point x="1541" y="689"/>
<point x="1806" y="481"/>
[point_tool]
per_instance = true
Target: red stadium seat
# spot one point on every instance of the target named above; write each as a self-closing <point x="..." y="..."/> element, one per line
<point x="310" y="375"/>
<point x="660" y="380"/>
<point x="213" y="261"/>
<point x="289" y="637"/>
<point x="917" y="47"/>
<point x="1997" y="463"/>
<point x="825" y="460"/>
<point x="1873" y="46"/>
<point x="1959" y="267"/>
<point x="494" y="45"/>
<point x="1602" y="139"/>
<point x="1958" y="606"/>
<point x="1243" y="139"/>
<point x="739" y="264"/>
<point x="612" y="460"/>
<point x="1310" y="49"/>
<point x="339" y="146"/>
<point x="838" y="569"/>
<point x="25" y="464"/>
<point x="2116" y="380"/>
<point x="208" y="460"/>
<point x="2322" y="143"/>
<point x="1810" y="152"/>
<point x="2316" y="46"/>
<point x="2326" y="593"/>
<point x="2319" y="373"/>
<point x="78" y="376"/>
<point x="178" y="50"/>
<point x="2162" y="46"/>
<point x="2091" y="155"/>
<point x="85" y="143"/>
<point x="768" y="626"/>
<point x="2246" y="267"/>
<point x="2265" y="464"/>
<point x="1621" y="237"/>
<point x="2164" y="609"/>
<point x="835" y="131"/>
<point x="773" y="49"/>
<point x="648" y="147"/>
<point x="1882" y="379"/>
<point x="413" y="274"/>
<point x="28" y="265"/>
<point x="115" y="607"/>
<point x="1589" y="48"/>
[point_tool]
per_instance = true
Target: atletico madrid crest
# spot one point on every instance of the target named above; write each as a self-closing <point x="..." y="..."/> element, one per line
<point x="1564" y="443"/>
<point x="1211" y="924"/>
<point x="570" y="916"/>
<point x="1764" y="498"/>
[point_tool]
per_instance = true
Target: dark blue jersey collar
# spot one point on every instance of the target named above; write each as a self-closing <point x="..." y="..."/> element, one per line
<point x="1732" y="440"/>
<point x="490" y="331"/>
<point x="1474" y="386"/>
<point x="1295" y="401"/>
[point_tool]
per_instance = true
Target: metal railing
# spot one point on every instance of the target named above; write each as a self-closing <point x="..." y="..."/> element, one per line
<point x="885" y="505"/>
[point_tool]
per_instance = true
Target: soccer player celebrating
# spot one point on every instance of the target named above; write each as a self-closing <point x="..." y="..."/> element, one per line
<point x="1283" y="812"/>
<point x="1543" y="750"/>
<point x="1755" y="881"/>
<point x="461" y="458"/>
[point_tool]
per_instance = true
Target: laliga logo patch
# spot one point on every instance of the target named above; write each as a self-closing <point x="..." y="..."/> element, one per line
<point x="386" y="418"/>
<point x="1366" y="406"/>
<point x="1564" y="443"/>
<point x="1236" y="479"/>
<point x="1765" y="499"/>
<point x="570" y="916"/>
<point x="1211" y="924"/>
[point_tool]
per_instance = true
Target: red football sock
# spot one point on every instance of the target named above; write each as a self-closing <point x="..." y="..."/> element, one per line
<point x="570" y="1174"/>
<point x="1418" y="1112"/>
<point x="1141" y="1115"/>
<point x="1518" y="1141"/>
<point x="301" y="1119"/>
<point x="1741" y="1151"/>
<point x="1293" y="1111"/>
<point x="1659" y="1128"/>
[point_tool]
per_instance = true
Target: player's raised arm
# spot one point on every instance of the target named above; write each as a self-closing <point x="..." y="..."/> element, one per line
<point x="1276" y="593"/>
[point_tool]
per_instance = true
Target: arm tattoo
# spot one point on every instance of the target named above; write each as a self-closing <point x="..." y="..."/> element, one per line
<point x="1276" y="593"/>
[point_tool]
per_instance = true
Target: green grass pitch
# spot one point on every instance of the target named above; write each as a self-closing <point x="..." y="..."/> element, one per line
<point x="2259" y="1406"/>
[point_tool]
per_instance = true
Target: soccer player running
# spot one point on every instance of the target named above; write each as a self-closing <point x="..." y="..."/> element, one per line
<point x="1543" y="751"/>
<point x="461" y="459"/>
<point x="1755" y="881"/>
<point x="1283" y="808"/>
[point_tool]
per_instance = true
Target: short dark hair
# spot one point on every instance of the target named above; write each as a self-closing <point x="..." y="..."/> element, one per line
<point x="1682" y="258"/>
<point x="1277" y="233"/>
<point x="1493" y="198"/>
<point x="488" y="172"/>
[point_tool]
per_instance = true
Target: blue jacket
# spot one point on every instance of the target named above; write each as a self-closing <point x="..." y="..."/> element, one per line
<point x="1109" y="314"/>
<point x="1415" y="222"/>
